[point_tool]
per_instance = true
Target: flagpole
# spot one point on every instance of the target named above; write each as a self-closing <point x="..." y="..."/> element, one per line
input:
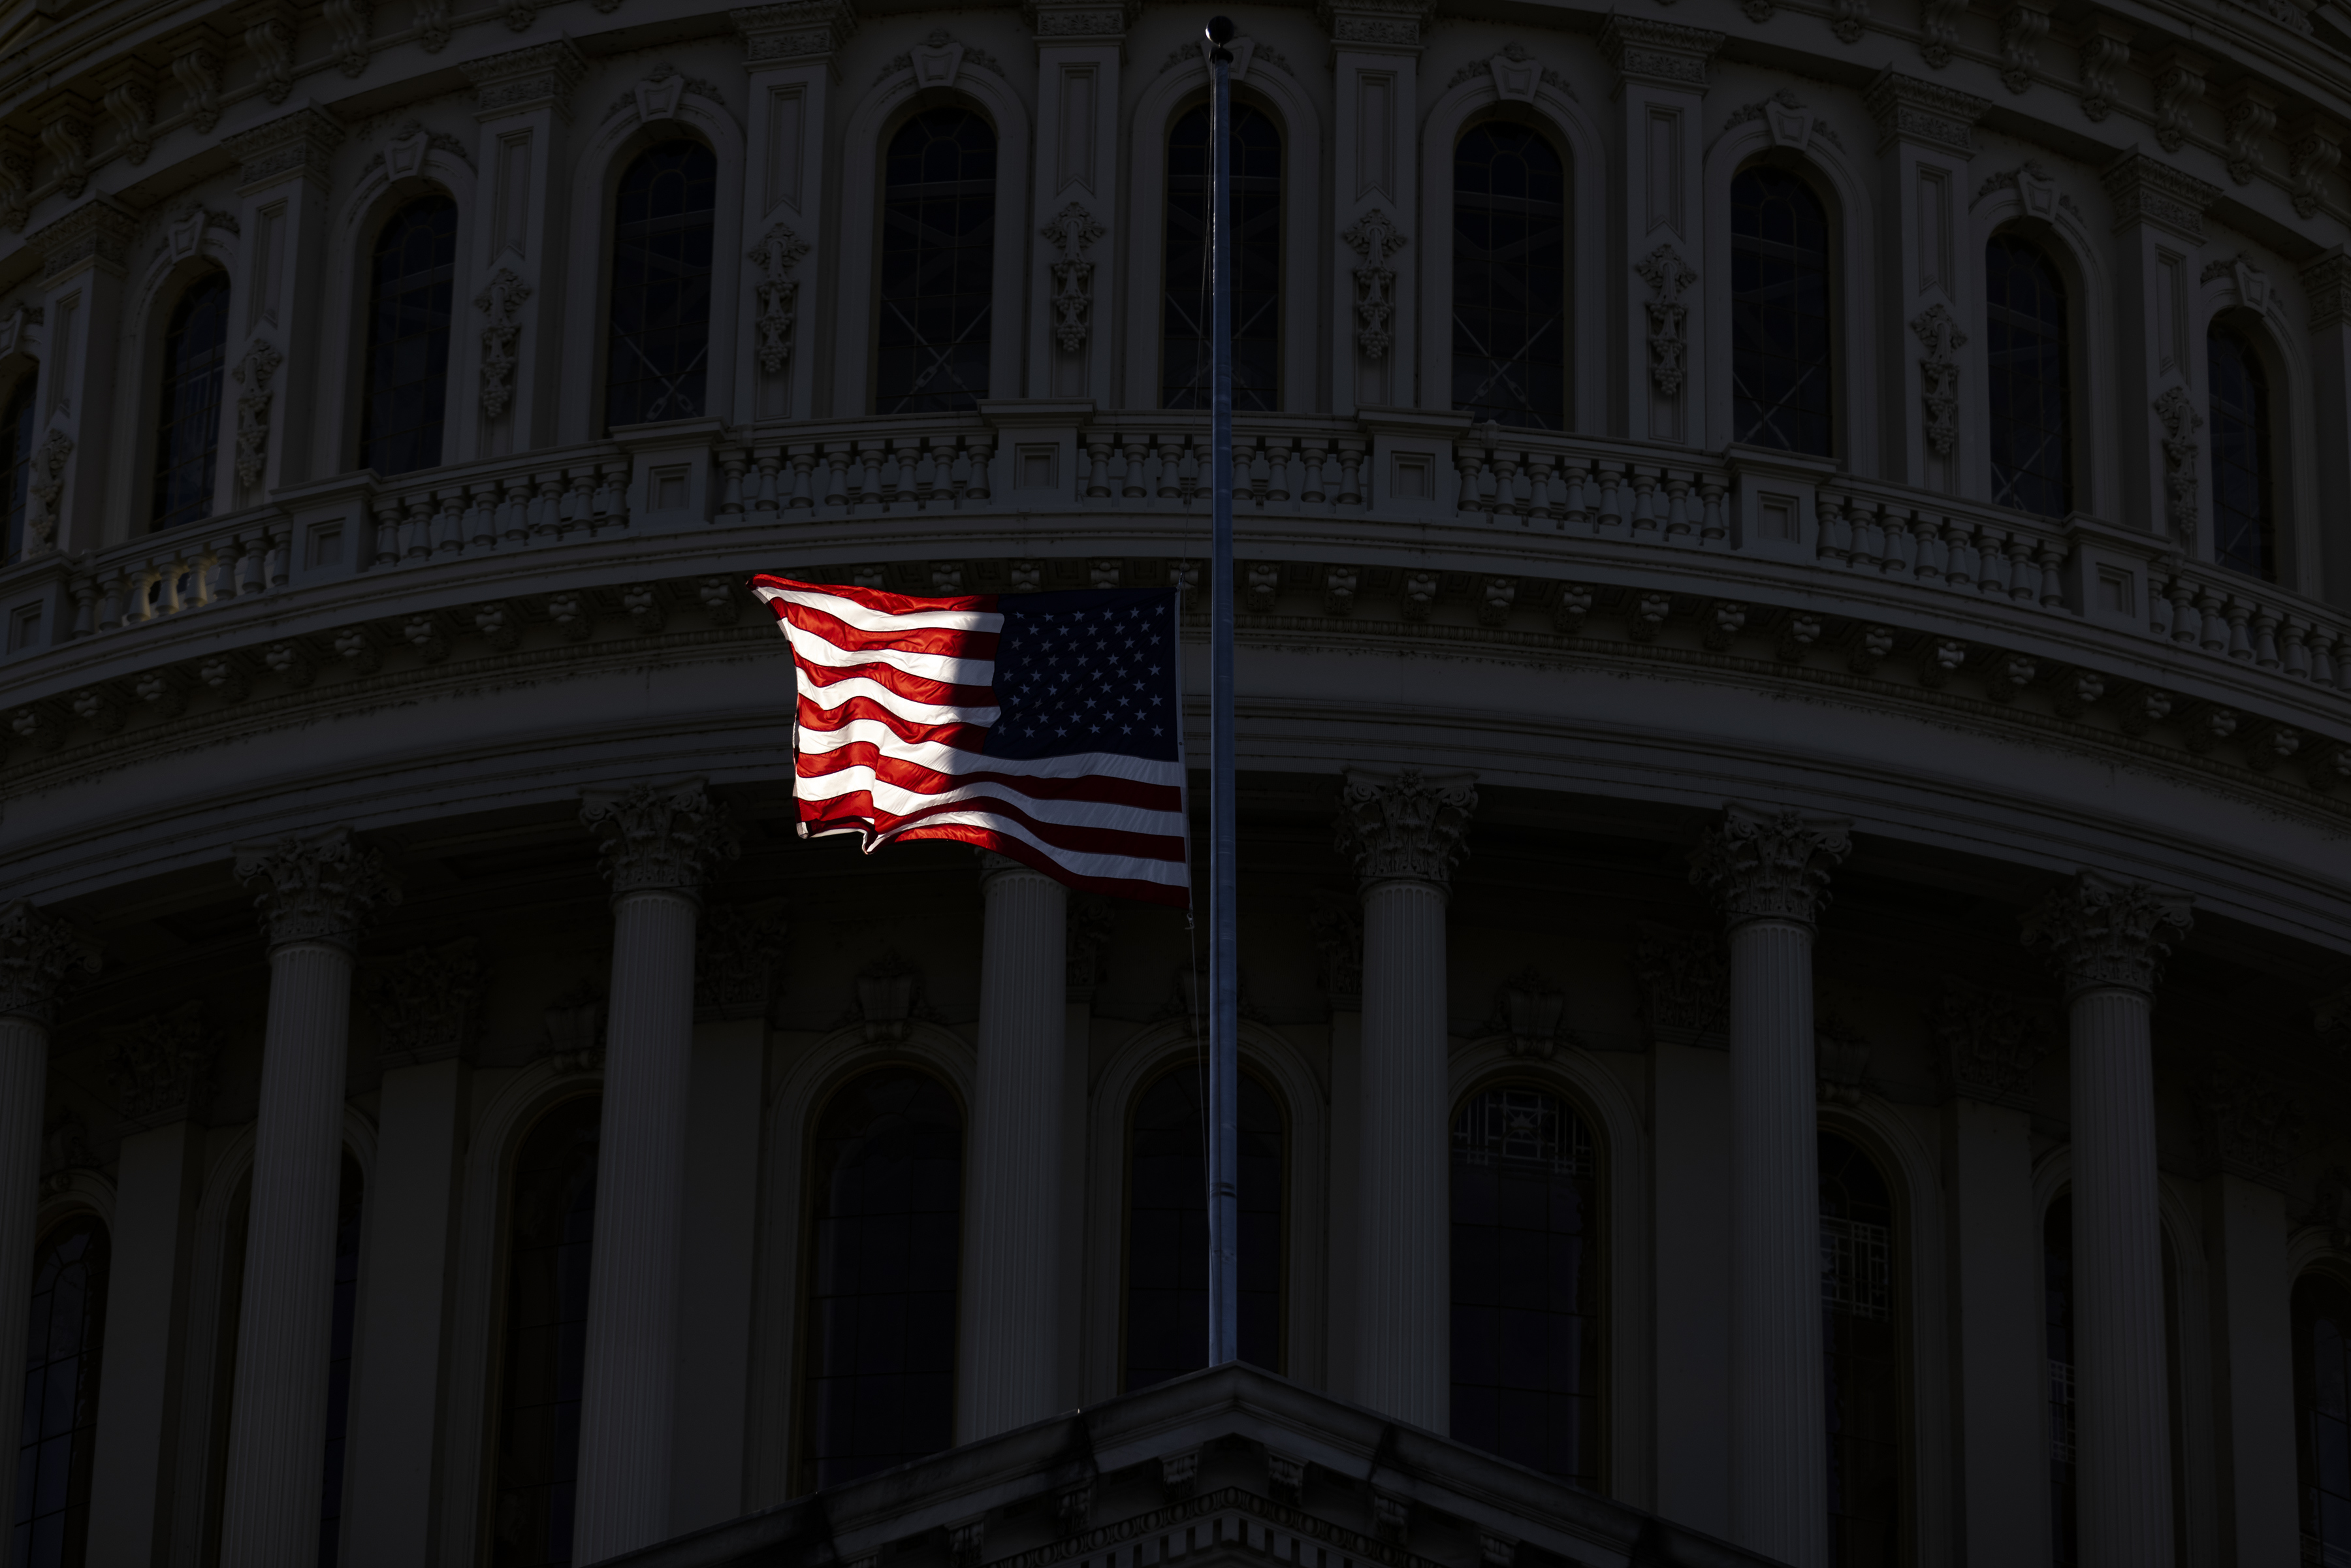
<point x="1224" y="1024"/>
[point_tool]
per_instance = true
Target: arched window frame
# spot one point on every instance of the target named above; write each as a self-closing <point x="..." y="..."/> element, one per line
<point x="1524" y="116"/>
<point x="2285" y="367"/>
<point x="878" y="390"/>
<point x="1304" y="382"/>
<point x="1845" y="195"/>
<point x="402" y="213"/>
<point x="148" y="301"/>
<point x="864" y="144"/>
<point x="582" y="334"/>
<point x="139" y="489"/>
<point x="1903" y="1309"/>
<point x="2314" y="1259"/>
<point x="1182" y="380"/>
<point x="2036" y="238"/>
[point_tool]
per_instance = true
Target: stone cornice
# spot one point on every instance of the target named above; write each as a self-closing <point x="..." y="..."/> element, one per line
<point x="2327" y="283"/>
<point x="1379" y="26"/>
<point x="1908" y="109"/>
<point x="1762" y="864"/>
<point x="323" y="886"/>
<point x="2145" y="190"/>
<point x="659" y="838"/>
<point x="302" y="142"/>
<point x="98" y="232"/>
<point x="38" y="953"/>
<point x="2103" y="933"/>
<point x="1662" y="54"/>
<point x="524" y="80"/>
<point x="795" y="31"/>
<point x="1080" y="21"/>
<point x="1406" y="826"/>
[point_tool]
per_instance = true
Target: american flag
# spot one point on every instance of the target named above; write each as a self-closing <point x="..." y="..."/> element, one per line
<point x="1046" y="727"/>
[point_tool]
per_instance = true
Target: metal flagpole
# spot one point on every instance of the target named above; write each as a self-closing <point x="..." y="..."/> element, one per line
<point x="1224" y="1024"/>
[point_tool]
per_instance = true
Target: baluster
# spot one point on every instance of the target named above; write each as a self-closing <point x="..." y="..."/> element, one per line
<point x="1098" y="474"/>
<point x="1352" y="484"/>
<point x="113" y="602"/>
<point x="1645" y="521"/>
<point x="1504" y="468"/>
<point x="1471" y="463"/>
<point x="84" y="592"/>
<point x="2324" y="668"/>
<point x="2296" y="656"/>
<point x="506" y="513"/>
<point x="1867" y="537"/>
<point x="1135" y="484"/>
<point x="384" y="548"/>
<point x="2051" y="559"/>
<point x="615" y="472"/>
<point x="870" y="494"/>
<point x="1313" y="452"/>
<point x="927" y="476"/>
<point x="1578" y="519"/>
<point x="769" y="496"/>
<point x="166" y="598"/>
<point x="836" y="492"/>
<point x="2240" y="640"/>
<point x="1991" y="562"/>
<point x="1677" y="519"/>
<point x="1900" y="550"/>
<point x="416" y="528"/>
<point x="1260" y="476"/>
<point x="550" y="502"/>
<point x="449" y="524"/>
<point x="803" y="497"/>
<point x="1542" y="488"/>
<point x="1278" y="460"/>
<point x="580" y="504"/>
<point x="2024" y="572"/>
<point x="1962" y="561"/>
<point x="2159" y="606"/>
<point x="1713" y="529"/>
<point x="1835" y="543"/>
<point x="2216" y="620"/>
<point x="251" y="567"/>
<point x="1612" y="501"/>
<point x="732" y="460"/>
<point x="1927" y="545"/>
<point x="482" y="515"/>
<point x="1187" y="472"/>
<point x="983" y="454"/>
<point x="2266" y="647"/>
<point x="2187" y="619"/>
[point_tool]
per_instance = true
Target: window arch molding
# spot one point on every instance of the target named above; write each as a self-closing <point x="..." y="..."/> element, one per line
<point x="2309" y="1254"/>
<point x="1581" y="150"/>
<point x="863" y="144"/>
<point x="603" y="162"/>
<point x="2293" y="430"/>
<point x="1845" y="197"/>
<point x="343" y="362"/>
<point x="147" y="313"/>
<point x="1110" y="1119"/>
<point x="793" y="1110"/>
<point x="2075" y="252"/>
<point x="1271" y="91"/>
<point x="490" y="1152"/>
<point x="205" y="1391"/>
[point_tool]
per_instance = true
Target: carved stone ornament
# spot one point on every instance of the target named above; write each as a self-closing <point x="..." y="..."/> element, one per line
<point x="1528" y="1010"/>
<point x="2330" y="1208"/>
<point x="2180" y="422"/>
<point x="45" y="485"/>
<point x="1784" y="114"/>
<point x="1908" y="109"/>
<point x="66" y="137"/>
<point x="1668" y="278"/>
<point x="737" y="951"/>
<point x="1660" y="53"/>
<point x="162" y="1065"/>
<point x="2252" y="1124"/>
<point x="254" y="373"/>
<point x="347" y="21"/>
<point x="1770" y="865"/>
<point x="130" y="104"/>
<point x="501" y="299"/>
<point x="795" y="29"/>
<point x="2102" y="932"/>
<point x="1684" y="982"/>
<point x="198" y="71"/>
<point x="659" y="837"/>
<point x="1938" y="373"/>
<point x="1085" y="939"/>
<point x="2103" y="55"/>
<point x="2032" y="185"/>
<point x="1406" y="826"/>
<point x="1339" y="938"/>
<point x="2022" y="28"/>
<point x="1989" y="1044"/>
<point x="1072" y="232"/>
<point x="2148" y="190"/>
<point x="572" y="1028"/>
<point x="427" y="1003"/>
<point x="38" y="953"/>
<point x="184" y="234"/>
<point x="403" y="157"/>
<point x="541" y="76"/>
<point x="779" y="251"/>
<point x="1939" y="29"/>
<point x="302" y="142"/>
<point x="319" y="887"/>
<point x="888" y="997"/>
<point x="1374" y="238"/>
<point x="1840" y="1060"/>
<point x="2253" y="115"/>
<point x="2311" y="153"/>
<point x="2178" y="88"/>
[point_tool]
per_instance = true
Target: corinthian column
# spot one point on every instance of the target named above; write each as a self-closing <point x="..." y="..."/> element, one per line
<point x="2106" y="938"/>
<point x="1404" y="832"/>
<point x="316" y="891"/>
<point x="1769" y="872"/>
<point x="1005" y="1375"/>
<point x="659" y="842"/>
<point x="37" y="952"/>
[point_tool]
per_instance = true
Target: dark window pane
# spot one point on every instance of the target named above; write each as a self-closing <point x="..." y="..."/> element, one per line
<point x="1167" y="1230"/>
<point x="338" y="1363"/>
<point x="1509" y="278"/>
<point x="2025" y="353"/>
<point x="2243" y="514"/>
<point x="660" y="348"/>
<point x="18" y="428"/>
<point x="1185" y="367"/>
<point x="412" y="275"/>
<point x="550" y="1229"/>
<point x="885" y="1211"/>
<point x="1526" y="1283"/>
<point x="1778" y="312"/>
<point x="63" y="1340"/>
<point x="187" y="429"/>
<point x="939" y="265"/>
<point x="1862" y="1360"/>
<point x="2322" y="1389"/>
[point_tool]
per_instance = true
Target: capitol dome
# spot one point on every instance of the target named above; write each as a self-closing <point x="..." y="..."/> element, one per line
<point x="1794" y="757"/>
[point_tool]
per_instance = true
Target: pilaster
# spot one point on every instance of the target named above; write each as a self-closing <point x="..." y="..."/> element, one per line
<point x="2158" y="225"/>
<point x="1658" y="235"/>
<point x="523" y="100"/>
<point x="1375" y="197"/>
<point x="2327" y="284"/>
<point x="1080" y="49"/>
<point x="788" y="56"/>
<point x="73" y="487"/>
<point x="283" y="179"/>
<point x="1925" y="140"/>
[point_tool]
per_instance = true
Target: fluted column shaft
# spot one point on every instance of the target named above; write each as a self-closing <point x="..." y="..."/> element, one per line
<point x="1010" y="1333"/>
<point x="658" y="843"/>
<point x="1404" y="831"/>
<point x="315" y="894"/>
<point x="1770" y="872"/>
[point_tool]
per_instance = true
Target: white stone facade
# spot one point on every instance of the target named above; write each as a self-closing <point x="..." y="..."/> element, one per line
<point x="1731" y="796"/>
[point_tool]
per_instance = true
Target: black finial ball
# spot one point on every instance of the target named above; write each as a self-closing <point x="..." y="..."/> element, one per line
<point x="1220" y="29"/>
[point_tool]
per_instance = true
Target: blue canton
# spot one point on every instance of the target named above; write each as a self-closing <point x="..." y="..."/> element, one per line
<point x="1089" y="671"/>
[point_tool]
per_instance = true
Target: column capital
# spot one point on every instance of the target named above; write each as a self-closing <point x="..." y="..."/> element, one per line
<point x="659" y="837"/>
<point x="993" y="865"/>
<point x="1662" y="54"/>
<point x="794" y="32"/>
<point x="320" y="886"/>
<point x="1770" y="865"/>
<point x="2105" y="933"/>
<point x="162" y="1066"/>
<point x="1406" y="826"/>
<point x="38" y="952"/>
<point x="521" y="80"/>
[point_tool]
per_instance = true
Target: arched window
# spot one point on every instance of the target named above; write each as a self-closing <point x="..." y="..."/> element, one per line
<point x="410" y="281"/>
<point x="2032" y="399"/>
<point x="1778" y="312"/>
<point x="2321" y="1409"/>
<point x="939" y="265"/>
<point x="187" y="429"/>
<point x="339" y="1359"/>
<point x="1509" y="278"/>
<point x="659" y="362"/>
<point x="2057" y="1336"/>
<point x="1183" y="360"/>
<point x="2244" y="516"/>
<point x="1862" y="1358"/>
<point x="550" y="1229"/>
<point x="1167" y="1230"/>
<point x="886" y="1186"/>
<point x="18" y="428"/>
<point x="63" y="1340"/>
<point x="1526" y="1283"/>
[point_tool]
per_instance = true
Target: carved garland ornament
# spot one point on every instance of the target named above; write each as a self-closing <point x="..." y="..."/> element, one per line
<point x="254" y="373"/>
<point x="160" y="1065"/>
<point x="1939" y="375"/>
<point x="501" y="300"/>
<point x="2180" y="422"/>
<point x="47" y="483"/>
<point x="1374" y="238"/>
<point x="1665" y="273"/>
<point x="1073" y="231"/>
<point x="778" y="252"/>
